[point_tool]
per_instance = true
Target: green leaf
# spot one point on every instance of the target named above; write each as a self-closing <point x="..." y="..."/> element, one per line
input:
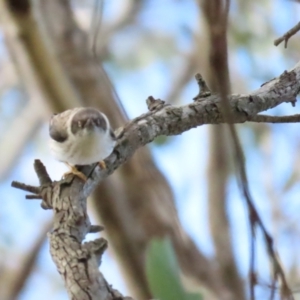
<point x="163" y="271"/>
<point x="162" y="140"/>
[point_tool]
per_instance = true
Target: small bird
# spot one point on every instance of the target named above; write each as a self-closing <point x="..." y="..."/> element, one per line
<point x="81" y="136"/>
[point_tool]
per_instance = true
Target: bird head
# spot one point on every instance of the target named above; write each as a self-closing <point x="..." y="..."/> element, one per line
<point x="88" y="120"/>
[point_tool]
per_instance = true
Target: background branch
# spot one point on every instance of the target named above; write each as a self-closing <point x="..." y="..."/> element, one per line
<point x="216" y="16"/>
<point x="287" y="36"/>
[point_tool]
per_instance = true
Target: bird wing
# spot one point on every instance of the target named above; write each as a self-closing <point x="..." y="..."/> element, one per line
<point x="58" y="126"/>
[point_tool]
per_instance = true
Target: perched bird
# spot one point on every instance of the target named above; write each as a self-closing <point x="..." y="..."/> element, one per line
<point x="81" y="136"/>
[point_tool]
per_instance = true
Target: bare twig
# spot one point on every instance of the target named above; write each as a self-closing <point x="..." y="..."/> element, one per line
<point x="25" y="187"/>
<point x="33" y="197"/>
<point x="252" y="273"/>
<point x="274" y="119"/>
<point x="287" y="36"/>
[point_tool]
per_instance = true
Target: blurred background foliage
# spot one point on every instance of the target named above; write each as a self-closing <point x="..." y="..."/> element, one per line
<point x="163" y="272"/>
<point x="155" y="48"/>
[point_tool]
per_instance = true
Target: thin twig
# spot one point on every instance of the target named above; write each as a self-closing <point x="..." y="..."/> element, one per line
<point x="274" y="119"/>
<point x="96" y="228"/>
<point x="33" y="197"/>
<point x="25" y="187"/>
<point x="252" y="264"/>
<point x="287" y="36"/>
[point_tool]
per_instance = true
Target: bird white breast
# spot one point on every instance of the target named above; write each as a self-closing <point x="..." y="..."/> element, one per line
<point x="83" y="149"/>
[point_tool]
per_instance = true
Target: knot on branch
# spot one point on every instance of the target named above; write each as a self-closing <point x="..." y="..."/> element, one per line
<point x="204" y="90"/>
<point x="96" y="248"/>
<point x="154" y="104"/>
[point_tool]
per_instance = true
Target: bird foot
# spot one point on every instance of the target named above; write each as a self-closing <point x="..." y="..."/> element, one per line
<point x="75" y="172"/>
<point x="102" y="164"/>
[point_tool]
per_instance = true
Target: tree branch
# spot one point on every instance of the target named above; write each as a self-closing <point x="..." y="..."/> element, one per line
<point x="287" y="35"/>
<point x="78" y="263"/>
<point x="174" y="120"/>
<point x="274" y="119"/>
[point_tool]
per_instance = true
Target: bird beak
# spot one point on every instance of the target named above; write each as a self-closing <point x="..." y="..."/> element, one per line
<point x="89" y="123"/>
